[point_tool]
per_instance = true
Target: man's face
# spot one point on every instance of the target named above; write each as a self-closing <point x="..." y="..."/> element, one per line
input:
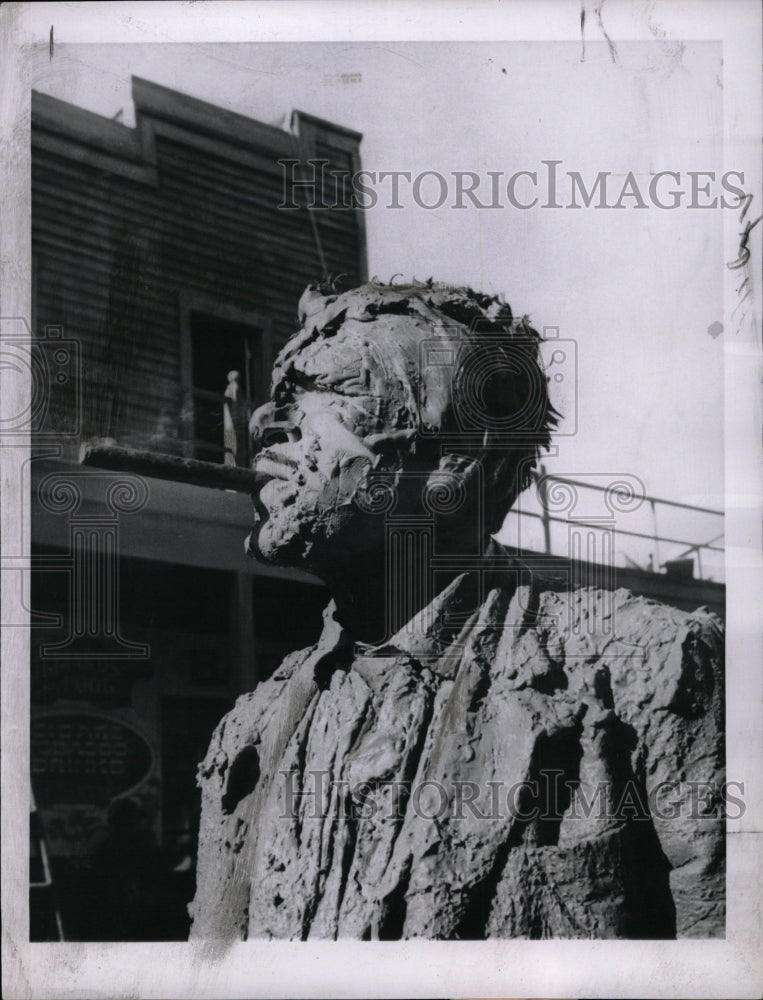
<point x="346" y="402"/>
<point x="312" y="445"/>
<point x="358" y="390"/>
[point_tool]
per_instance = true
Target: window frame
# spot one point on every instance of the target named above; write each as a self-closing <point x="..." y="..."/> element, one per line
<point x="190" y="302"/>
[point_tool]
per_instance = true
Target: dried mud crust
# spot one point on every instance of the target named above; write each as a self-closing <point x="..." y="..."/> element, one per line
<point x="323" y="790"/>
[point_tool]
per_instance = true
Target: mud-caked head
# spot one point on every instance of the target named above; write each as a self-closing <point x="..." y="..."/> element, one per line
<point x="416" y="402"/>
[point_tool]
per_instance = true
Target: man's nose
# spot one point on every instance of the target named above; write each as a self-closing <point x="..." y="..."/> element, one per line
<point x="268" y="426"/>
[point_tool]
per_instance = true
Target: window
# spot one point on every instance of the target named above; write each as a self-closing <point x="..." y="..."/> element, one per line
<point x="225" y="362"/>
<point x="226" y="367"/>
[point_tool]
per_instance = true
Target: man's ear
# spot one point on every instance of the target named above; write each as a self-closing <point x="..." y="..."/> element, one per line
<point x="457" y="466"/>
<point x="451" y="486"/>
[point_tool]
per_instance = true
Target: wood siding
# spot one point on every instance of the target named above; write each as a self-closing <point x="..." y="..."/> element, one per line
<point x="128" y="223"/>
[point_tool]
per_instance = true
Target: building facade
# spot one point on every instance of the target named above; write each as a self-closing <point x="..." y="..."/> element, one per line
<point x="164" y="260"/>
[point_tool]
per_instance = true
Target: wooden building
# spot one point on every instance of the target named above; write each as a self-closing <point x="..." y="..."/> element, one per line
<point x="163" y="260"/>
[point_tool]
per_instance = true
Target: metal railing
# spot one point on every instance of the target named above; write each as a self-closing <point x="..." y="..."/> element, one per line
<point x="693" y="522"/>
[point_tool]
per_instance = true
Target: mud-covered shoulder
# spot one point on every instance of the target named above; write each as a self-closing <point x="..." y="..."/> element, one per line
<point x="242" y="725"/>
<point x="649" y="654"/>
<point x="229" y="773"/>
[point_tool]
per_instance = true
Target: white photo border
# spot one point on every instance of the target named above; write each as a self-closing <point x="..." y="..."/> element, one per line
<point x="687" y="968"/>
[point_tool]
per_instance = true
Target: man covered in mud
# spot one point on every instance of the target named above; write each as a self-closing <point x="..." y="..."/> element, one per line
<point x="470" y="750"/>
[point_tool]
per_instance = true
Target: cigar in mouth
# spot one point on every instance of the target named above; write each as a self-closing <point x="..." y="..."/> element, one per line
<point x="104" y="453"/>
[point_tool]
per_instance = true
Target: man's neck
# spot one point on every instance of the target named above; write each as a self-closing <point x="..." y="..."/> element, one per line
<point x="375" y="603"/>
<point x="361" y="600"/>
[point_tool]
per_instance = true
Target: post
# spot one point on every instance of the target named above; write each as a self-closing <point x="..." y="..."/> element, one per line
<point x="656" y="533"/>
<point x="242" y="632"/>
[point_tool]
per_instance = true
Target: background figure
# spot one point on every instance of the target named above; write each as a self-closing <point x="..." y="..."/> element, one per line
<point x="131" y="890"/>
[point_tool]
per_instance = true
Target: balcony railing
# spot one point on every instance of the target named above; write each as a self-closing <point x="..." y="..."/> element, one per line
<point x="142" y="410"/>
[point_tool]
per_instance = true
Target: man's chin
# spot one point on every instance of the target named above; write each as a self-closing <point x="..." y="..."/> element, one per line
<point x="274" y="548"/>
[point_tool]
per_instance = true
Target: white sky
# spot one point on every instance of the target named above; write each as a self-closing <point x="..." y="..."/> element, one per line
<point x="635" y="289"/>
